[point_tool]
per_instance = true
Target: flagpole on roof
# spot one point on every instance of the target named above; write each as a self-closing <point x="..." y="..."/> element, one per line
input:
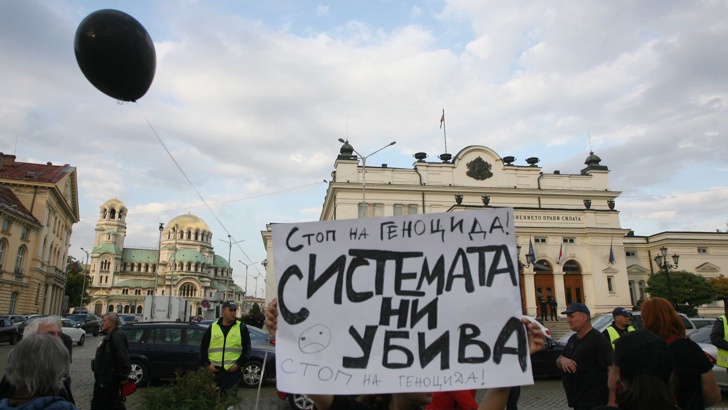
<point x="442" y="125"/>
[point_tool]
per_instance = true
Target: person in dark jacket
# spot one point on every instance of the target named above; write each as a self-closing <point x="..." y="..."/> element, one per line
<point x="111" y="365"/>
<point x="224" y="349"/>
<point x="35" y="368"/>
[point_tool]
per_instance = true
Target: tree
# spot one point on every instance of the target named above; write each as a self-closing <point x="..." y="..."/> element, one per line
<point x="720" y="284"/>
<point x="688" y="289"/>
<point x="75" y="274"/>
<point x="255" y="317"/>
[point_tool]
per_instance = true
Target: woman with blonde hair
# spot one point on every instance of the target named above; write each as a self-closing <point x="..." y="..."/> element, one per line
<point x="693" y="381"/>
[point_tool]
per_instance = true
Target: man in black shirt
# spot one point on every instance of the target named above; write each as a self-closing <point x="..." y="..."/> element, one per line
<point x="585" y="361"/>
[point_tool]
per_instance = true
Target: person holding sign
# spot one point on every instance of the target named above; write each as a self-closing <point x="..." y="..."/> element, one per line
<point x="585" y="361"/>
<point x="225" y="348"/>
<point x="495" y="398"/>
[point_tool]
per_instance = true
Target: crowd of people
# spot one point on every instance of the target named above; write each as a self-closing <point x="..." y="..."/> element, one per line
<point x="657" y="367"/>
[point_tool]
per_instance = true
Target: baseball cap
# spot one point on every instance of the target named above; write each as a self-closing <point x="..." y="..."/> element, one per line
<point x="643" y="352"/>
<point x="576" y="307"/>
<point x="620" y="311"/>
<point x="230" y="305"/>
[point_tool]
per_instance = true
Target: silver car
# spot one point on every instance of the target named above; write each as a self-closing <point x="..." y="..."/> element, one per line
<point x="702" y="338"/>
<point x="603" y="321"/>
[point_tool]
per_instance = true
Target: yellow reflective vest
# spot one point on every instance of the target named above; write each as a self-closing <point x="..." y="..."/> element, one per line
<point x="225" y="351"/>
<point x="722" y="359"/>
<point x="614" y="335"/>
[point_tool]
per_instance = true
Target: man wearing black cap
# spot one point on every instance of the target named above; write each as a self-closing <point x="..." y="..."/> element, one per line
<point x="585" y="361"/>
<point x="225" y="348"/>
<point x="620" y="325"/>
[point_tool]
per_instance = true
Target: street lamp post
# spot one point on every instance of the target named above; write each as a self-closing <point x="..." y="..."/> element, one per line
<point x="83" y="286"/>
<point x="364" y="173"/>
<point x="256" y="285"/>
<point x="174" y="266"/>
<point x="230" y="263"/>
<point x="247" y="265"/>
<point x="664" y="265"/>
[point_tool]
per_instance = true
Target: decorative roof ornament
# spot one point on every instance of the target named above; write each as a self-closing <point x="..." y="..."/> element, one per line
<point x="479" y="169"/>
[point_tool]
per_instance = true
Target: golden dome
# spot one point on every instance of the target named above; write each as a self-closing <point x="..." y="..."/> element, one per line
<point x="188" y="221"/>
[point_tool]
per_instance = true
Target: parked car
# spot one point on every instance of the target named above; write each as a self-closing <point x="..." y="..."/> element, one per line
<point x="702" y="338"/>
<point x="157" y="350"/>
<point x="603" y="321"/>
<point x="15" y="318"/>
<point x="89" y="322"/>
<point x="8" y="331"/>
<point x="21" y="327"/>
<point x="296" y="401"/>
<point x="259" y="339"/>
<point x="73" y="329"/>
<point x="544" y="362"/>
<point x="701" y="322"/>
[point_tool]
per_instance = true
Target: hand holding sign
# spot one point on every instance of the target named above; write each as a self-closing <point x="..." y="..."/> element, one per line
<point x="411" y="303"/>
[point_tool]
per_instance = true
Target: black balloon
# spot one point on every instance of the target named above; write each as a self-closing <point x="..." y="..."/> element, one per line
<point x="115" y="54"/>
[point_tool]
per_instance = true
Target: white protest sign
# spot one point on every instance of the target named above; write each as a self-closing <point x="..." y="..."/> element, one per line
<point x="414" y="303"/>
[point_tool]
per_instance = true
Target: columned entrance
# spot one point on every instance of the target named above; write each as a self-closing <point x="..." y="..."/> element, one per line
<point x="573" y="283"/>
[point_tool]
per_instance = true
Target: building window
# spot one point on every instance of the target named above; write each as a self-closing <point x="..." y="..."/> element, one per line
<point x="363" y="210"/>
<point x="13" y="302"/>
<point x="378" y="210"/>
<point x="6" y="225"/>
<point x="24" y="234"/>
<point x="19" y="260"/>
<point x="702" y="250"/>
<point x="632" y="293"/>
<point x="631" y="254"/>
<point x="125" y="291"/>
<point x="37" y="292"/>
<point x="539" y="240"/>
<point x="149" y="292"/>
<point x="2" y="253"/>
<point x="411" y="209"/>
<point x="137" y="292"/>
<point x="398" y="209"/>
<point x="642" y="289"/>
<point x="569" y="241"/>
<point x="610" y="284"/>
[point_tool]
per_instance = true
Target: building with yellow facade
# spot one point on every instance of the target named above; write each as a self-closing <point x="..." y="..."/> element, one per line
<point x="38" y="207"/>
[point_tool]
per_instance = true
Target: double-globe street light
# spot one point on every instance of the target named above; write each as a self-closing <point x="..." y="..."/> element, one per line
<point x="665" y="266"/>
<point x="247" y="265"/>
<point x="230" y="263"/>
<point x="365" y="209"/>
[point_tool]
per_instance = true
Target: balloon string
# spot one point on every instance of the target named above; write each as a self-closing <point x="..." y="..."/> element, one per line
<point x="179" y="167"/>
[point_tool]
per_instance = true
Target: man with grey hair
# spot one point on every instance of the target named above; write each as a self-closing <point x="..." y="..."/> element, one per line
<point x="111" y="365"/>
<point x="50" y="325"/>
<point x="35" y="369"/>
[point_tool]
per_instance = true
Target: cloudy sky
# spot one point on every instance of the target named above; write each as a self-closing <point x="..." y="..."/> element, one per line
<point x="250" y="98"/>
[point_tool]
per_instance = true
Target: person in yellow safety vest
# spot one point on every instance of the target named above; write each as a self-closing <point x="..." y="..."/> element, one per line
<point x="719" y="339"/>
<point x="225" y="348"/>
<point x="619" y="326"/>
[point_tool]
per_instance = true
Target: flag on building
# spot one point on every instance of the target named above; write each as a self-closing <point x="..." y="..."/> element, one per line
<point x="531" y="251"/>
<point x="442" y="119"/>
<point x="561" y="253"/>
<point x="611" y="253"/>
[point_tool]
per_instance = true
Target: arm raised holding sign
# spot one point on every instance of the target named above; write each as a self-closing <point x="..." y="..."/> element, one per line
<point x="495" y="398"/>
